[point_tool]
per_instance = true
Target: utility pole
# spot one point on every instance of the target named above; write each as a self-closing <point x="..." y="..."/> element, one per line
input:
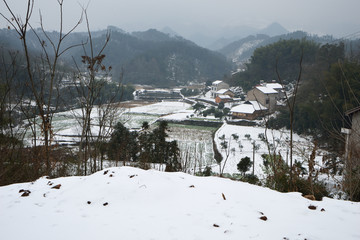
<point x="254" y="149"/>
<point x="347" y="132"/>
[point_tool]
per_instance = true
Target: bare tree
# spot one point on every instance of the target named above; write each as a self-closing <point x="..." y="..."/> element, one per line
<point x="95" y="110"/>
<point x="290" y="102"/>
<point x="42" y="71"/>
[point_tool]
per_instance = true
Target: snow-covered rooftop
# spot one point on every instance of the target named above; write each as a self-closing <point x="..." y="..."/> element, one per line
<point x="224" y="97"/>
<point x="273" y="85"/>
<point x="217" y="82"/>
<point x="222" y="91"/>
<point x="248" y="107"/>
<point x="267" y="90"/>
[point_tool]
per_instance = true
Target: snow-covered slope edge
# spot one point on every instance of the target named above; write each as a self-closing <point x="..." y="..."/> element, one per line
<point x="130" y="203"/>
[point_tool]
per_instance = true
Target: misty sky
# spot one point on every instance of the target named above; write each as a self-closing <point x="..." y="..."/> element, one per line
<point x="187" y="17"/>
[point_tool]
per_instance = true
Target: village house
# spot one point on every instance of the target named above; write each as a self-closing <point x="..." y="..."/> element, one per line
<point x="249" y="110"/>
<point x="157" y="94"/>
<point x="277" y="87"/>
<point x="223" y="98"/>
<point x="225" y="92"/>
<point x="267" y="94"/>
<point x="218" y="85"/>
<point x="264" y="95"/>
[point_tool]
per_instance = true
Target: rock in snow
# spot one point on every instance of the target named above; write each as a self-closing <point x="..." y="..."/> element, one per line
<point x="167" y="209"/>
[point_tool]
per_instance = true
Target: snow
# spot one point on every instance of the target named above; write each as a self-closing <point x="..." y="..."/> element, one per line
<point x="157" y="205"/>
<point x="161" y="108"/>
<point x="224" y="96"/>
<point x="217" y="82"/>
<point x="266" y="90"/>
<point x="244" y="47"/>
<point x="222" y="91"/>
<point x="180" y="115"/>
<point x="274" y="85"/>
<point x="277" y="138"/>
<point x="67" y="129"/>
<point x="249" y="107"/>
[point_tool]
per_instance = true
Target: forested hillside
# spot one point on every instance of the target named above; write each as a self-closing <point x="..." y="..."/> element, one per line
<point x="283" y="55"/>
<point x="329" y="88"/>
<point x="149" y="57"/>
<point x="173" y="63"/>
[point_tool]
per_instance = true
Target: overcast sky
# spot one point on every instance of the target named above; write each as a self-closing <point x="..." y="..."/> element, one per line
<point x="336" y="17"/>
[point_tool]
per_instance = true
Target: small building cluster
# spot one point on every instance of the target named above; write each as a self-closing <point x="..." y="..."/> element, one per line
<point x="217" y="86"/>
<point x="157" y="94"/>
<point x="261" y="100"/>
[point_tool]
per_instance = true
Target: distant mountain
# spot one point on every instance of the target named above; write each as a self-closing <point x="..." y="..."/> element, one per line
<point x="241" y="50"/>
<point x="169" y="31"/>
<point x="152" y="35"/>
<point x="233" y="34"/>
<point x="273" y="29"/>
<point x="149" y="57"/>
<point x="215" y="40"/>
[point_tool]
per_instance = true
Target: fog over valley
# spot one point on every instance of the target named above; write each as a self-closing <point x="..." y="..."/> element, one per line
<point x="203" y="21"/>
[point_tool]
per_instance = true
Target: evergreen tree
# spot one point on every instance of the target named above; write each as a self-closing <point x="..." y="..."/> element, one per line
<point x="155" y="149"/>
<point x="123" y="144"/>
<point x="244" y="165"/>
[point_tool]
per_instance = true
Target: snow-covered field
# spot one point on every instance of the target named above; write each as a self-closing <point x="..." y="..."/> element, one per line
<point x="67" y="129"/>
<point x="161" y="108"/>
<point x="195" y="146"/>
<point x="248" y="136"/>
<point x="130" y="203"/>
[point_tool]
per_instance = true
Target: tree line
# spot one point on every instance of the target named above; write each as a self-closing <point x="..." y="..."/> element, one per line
<point x="145" y="147"/>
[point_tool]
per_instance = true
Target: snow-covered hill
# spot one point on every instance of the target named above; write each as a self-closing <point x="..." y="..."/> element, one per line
<point x="129" y="203"/>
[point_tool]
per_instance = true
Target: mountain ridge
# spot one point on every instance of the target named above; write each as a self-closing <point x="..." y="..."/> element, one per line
<point x="149" y="57"/>
<point x="241" y="50"/>
<point x="229" y="35"/>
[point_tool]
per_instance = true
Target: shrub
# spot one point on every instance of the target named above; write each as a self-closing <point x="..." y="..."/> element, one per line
<point x="221" y="105"/>
<point x="226" y="111"/>
<point x="276" y="172"/>
<point x="218" y="114"/>
<point x="207" y="171"/>
<point x="250" y="178"/>
<point x="318" y="189"/>
<point x="244" y="165"/>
